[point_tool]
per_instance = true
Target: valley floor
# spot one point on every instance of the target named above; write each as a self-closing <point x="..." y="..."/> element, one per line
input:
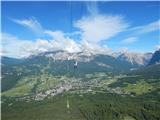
<point x="97" y="96"/>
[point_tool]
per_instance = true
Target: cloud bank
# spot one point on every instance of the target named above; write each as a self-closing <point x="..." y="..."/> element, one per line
<point x="92" y="29"/>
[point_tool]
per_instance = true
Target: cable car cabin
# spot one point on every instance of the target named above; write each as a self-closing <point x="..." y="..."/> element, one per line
<point x="75" y="65"/>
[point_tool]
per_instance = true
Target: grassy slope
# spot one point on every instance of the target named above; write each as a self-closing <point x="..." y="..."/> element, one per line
<point x="136" y="84"/>
<point x="31" y="84"/>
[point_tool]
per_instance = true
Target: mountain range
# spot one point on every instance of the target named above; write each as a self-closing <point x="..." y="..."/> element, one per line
<point x="62" y="63"/>
<point x="87" y="62"/>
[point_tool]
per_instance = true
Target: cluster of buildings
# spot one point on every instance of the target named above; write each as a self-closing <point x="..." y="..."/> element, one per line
<point x="53" y="92"/>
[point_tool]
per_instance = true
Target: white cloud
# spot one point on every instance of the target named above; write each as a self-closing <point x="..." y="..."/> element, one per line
<point x="14" y="47"/>
<point x="123" y="50"/>
<point x="40" y="45"/>
<point x="31" y="23"/>
<point x="61" y="42"/>
<point x="58" y="35"/>
<point x="92" y="8"/>
<point x="157" y="47"/>
<point x="129" y="40"/>
<point x="97" y="28"/>
<point x="95" y="48"/>
<point x="147" y="28"/>
<point x="3" y="52"/>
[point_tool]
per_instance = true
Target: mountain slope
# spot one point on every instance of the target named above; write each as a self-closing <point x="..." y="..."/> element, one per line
<point x="135" y="59"/>
<point x="152" y="71"/>
<point x="145" y="80"/>
<point x="9" y="73"/>
<point x="155" y="58"/>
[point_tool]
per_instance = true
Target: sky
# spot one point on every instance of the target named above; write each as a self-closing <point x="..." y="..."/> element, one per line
<point x="99" y="27"/>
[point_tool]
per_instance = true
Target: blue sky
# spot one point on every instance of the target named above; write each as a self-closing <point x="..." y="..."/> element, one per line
<point x="30" y="27"/>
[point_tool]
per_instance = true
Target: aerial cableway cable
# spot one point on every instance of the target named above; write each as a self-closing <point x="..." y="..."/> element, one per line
<point x="75" y="64"/>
